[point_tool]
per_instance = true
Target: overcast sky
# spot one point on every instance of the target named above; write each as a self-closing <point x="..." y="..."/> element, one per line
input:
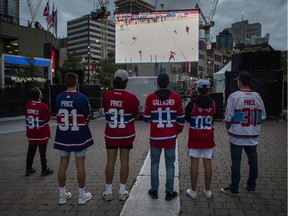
<point x="271" y="14"/>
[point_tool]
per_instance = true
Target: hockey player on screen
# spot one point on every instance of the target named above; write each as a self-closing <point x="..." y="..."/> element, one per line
<point x="187" y="29"/>
<point x="172" y="54"/>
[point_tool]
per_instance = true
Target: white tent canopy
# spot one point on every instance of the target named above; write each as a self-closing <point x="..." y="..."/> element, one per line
<point x="219" y="78"/>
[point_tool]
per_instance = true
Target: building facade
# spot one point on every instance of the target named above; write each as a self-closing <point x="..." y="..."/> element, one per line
<point x="242" y="30"/>
<point x="224" y="40"/>
<point x="129" y="6"/>
<point x="10" y="10"/>
<point x="93" y="39"/>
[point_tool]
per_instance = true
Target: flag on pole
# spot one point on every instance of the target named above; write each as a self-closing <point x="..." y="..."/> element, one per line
<point x="46" y="9"/>
<point x="50" y="19"/>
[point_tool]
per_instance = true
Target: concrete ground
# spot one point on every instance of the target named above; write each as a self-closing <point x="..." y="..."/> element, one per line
<point x="34" y="195"/>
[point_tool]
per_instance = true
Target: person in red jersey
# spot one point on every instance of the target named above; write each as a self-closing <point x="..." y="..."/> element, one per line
<point x="164" y="112"/>
<point x="38" y="132"/>
<point x="121" y="109"/>
<point x="199" y="113"/>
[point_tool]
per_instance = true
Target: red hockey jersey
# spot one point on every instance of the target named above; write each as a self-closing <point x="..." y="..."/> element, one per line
<point x="121" y="109"/>
<point x="166" y="118"/>
<point x="201" y="129"/>
<point x="38" y="116"/>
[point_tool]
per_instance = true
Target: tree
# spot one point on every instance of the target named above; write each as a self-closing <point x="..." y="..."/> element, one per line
<point x="73" y="62"/>
<point x="104" y="72"/>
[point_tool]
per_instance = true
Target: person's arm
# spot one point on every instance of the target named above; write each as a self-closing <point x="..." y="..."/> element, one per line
<point x="136" y="107"/>
<point x="262" y="108"/>
<point x="188" y="109"/>
<point x="230" y="108"/>
<point x="147" y="111"/>
<point x="47" y="113"/>
<point x="180" y="118"/>
<point x="87" y="110"/>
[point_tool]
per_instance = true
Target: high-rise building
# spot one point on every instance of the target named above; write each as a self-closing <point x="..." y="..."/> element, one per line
<point x="224" y="40"/>
<point x="93" y="39"/>
<point x="10" y="10"/>
<point x="243" y="30"/>
<point x="128" y="6"/>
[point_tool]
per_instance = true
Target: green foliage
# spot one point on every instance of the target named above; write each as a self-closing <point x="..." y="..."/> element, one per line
<point x="73" y="62"/>
<point x="104" y="72"/>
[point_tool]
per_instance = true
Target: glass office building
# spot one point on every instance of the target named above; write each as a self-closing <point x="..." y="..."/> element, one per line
<point x="10" y="10"/>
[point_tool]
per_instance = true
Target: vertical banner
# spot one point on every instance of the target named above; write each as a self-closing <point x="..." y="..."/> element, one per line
<point x="53" y="59"/>
<point x="93" y="67"/>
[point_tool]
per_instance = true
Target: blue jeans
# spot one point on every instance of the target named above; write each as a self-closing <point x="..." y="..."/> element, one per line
<point x="170" y="167"/>
<point x="236" y="155"/>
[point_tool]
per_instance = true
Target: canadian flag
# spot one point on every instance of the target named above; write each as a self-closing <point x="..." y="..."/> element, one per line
<point x="46" y="9"/>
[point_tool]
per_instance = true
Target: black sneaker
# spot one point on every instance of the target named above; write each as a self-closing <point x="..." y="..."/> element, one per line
<point x="153" y="194"/>
<point x="228" y="191"/>
<point x="46" y="172"/>
<point x="249" y="189"/>
<point x="30" y="172"/>
<point x="170" y="195"/>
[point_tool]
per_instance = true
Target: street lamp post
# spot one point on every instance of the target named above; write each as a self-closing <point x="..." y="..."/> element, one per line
<point x="88" y="50"/>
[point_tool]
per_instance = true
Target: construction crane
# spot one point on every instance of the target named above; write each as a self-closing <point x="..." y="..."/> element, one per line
<point x="101" y="12"/>
<point x="206" y="22"/>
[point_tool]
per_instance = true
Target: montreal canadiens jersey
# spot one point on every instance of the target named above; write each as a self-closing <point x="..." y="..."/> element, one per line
<point x="38" y="116"/>
<point x="166" y="118"/>
<point x="245" y="112"/>
<point x="121" y="109"/>
<point x="201" y="128"/>
<point x="73" y="114"/>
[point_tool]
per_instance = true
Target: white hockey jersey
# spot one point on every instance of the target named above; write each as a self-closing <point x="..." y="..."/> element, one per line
<point x="245" y="112"/>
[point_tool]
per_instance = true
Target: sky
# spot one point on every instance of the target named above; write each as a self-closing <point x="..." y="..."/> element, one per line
<point x="271" y="14"/>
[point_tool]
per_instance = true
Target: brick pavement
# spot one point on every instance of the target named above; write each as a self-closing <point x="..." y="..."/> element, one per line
<point x="20" y="195"/>
<point x="271" y="196"/>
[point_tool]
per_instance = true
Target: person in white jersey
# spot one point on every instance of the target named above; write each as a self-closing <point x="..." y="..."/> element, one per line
<point x="245" y="112"/>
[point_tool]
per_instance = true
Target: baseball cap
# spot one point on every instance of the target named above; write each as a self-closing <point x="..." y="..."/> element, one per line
<point x="244" y="76"/>
<point x="163" y="80"/>
<point x="203" y="83"/>
<point x="123" y="74"/>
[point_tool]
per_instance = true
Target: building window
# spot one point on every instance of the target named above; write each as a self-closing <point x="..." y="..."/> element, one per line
<point x="11" y="47"/>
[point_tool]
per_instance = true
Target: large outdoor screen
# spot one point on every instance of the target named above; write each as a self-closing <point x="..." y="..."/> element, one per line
<point x="158" y="36"/>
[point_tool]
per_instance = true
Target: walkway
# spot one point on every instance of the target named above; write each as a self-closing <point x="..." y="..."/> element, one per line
<point x="34" y="195"/>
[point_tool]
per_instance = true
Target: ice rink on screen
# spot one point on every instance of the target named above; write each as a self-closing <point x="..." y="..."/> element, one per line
<point x="151" y="41"/>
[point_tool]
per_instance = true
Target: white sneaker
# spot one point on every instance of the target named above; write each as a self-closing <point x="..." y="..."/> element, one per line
<point x="124" y="196"/>
<point x="64" y="197"/>
<point x="85" y="197"/>
<point x="207" y="193"/>
<point x="107" y="196"/>
<point x="192" y="194"/>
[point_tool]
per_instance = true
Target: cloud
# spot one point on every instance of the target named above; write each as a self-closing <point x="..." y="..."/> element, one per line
<point x="272" y="15"/>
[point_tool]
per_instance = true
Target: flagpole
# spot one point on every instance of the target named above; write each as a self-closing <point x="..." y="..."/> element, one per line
<point x="53" y="12"/>
<point x="56" y="21"/>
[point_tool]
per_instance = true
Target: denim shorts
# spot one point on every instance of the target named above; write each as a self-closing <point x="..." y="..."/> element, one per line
<point x="77" y="153"/>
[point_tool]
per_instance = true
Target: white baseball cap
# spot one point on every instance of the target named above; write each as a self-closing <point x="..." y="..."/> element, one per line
<point x="203" y="83"/>
<point x="123" y="74"/>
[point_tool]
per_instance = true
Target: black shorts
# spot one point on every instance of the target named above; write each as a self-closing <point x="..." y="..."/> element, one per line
<point x="121" y="147"/>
